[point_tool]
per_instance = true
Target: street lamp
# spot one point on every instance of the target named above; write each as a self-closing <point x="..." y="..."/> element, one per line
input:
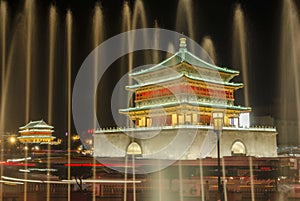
<point x="218" y="118"/>
<point x="12" y="139"/>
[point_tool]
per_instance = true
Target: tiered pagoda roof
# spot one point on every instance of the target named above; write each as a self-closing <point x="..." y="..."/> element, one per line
<point x="184" y="83"/>
<point x="36" y="132"/>
<point x="185" y="56"/>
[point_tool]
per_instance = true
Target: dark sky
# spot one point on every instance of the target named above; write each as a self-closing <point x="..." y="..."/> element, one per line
<point x="213" y="18"/>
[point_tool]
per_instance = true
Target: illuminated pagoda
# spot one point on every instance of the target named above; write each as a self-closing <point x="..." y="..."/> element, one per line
<point x="176" y="98"/>
<point x="189" y="89"/>
<point x="37" y="132"/>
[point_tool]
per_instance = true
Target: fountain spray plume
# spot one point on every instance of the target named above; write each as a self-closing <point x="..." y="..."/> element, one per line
<point x="52" y="41"/>
<point x="126" y="26"/>
<point x="29" y="14"/>
<point x="14" y="56"/>
<point x="185" y="20"/>
<point x="29" y="10"/>
<point x="127" y="43"/>
<point x="180" y="177"/>
<point x="98" y="24"/>
<point x="139" y="20"/>
<point x="139" y="14"/>
<point x="134" y="20"/>
<point x="289" y="70"/>
<point x="3" y="29"/>
<point x="208" y="45"/>
<point x="240" y="54"/>
<point x="98" y="37"/>
<point x="203" y="190"/>
<point x="171" y="48"/>
<point x="3" y="23"/>
<point x="156" y="59"/>
<point x="69" y="22"/>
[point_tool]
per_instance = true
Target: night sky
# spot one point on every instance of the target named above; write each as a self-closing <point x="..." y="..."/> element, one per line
<point x="212" y="18"/>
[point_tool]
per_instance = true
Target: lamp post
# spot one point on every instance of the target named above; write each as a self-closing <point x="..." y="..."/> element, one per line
<point x="218" y="125"/>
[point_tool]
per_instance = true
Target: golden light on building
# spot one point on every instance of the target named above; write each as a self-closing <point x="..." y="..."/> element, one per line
<point x="75" y="138"/>
<point x="188" y="90"/>
<point x="36" y="132"/>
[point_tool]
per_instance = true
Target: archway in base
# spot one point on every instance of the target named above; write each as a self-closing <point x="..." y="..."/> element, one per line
<point x="238" y="149"/>
<point x="134" y="149"/>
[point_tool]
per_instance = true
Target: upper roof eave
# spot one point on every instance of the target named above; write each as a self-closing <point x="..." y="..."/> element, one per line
<point x="157" y="66"/>
<point x="36" y="124"/>
<point x="188" y="59"/>
<point x="232" y="84"/>
<point x="219" y="106"/>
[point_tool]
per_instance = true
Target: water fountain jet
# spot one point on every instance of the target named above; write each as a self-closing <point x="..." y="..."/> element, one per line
<point x="239" y="48"/>
<point x="126" y="26"/>
<point x="155" y="57"/>
<point x="139" y="20"/>
<point x="208" y="45"/>
<point x="289" y="85"/>
<point x="69" y="22"/>
<point x="3" y="22"/>
<point x="29" y="14"/>
<point x="52" y="41"/>
<point x="185" y="20"/>
<point x="98" y="37"/>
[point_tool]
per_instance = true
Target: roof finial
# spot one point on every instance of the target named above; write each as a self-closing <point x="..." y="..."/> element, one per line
<point x="182" y="47"/>
<point x="182" y="43"/>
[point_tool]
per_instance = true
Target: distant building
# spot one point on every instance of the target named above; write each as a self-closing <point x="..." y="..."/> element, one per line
<point x="37" y="132"/>
<point x="173" y="103"/>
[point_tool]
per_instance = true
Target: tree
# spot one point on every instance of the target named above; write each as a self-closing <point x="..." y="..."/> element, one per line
<point x="76" y="172"/>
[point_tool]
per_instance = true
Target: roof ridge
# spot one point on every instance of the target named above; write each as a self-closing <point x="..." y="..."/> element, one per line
<point x="209" y="64"/>
<point x="36" y="123"/>
<point x="155" y="66"/>
<point x="183" y="58"/>
<point x="188" y="76"/>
